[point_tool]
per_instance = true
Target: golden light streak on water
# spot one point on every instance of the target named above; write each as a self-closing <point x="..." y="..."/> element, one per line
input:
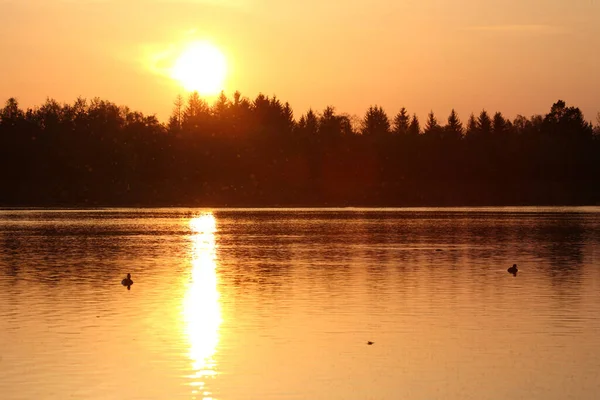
<point x="202" y="310"/>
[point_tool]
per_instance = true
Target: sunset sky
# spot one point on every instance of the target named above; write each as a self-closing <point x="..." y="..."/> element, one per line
<point x="514" y="56"/>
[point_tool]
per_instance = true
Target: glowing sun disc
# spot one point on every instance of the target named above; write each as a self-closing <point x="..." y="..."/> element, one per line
<point x="201" y="67"/>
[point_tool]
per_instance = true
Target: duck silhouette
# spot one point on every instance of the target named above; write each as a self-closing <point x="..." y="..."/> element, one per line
<point x="127" y="281"/>
<point x="513" y="270"/>
<point x="370" y="343"/>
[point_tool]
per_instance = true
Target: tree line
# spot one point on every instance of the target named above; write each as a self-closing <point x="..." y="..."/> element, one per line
<point x="243" y="152"/>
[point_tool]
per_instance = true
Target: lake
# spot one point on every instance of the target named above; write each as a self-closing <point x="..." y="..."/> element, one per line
<point x="280" y="304"/>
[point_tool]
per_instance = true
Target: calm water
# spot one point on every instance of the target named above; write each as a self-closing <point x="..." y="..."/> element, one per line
<point x="279" y="304"/>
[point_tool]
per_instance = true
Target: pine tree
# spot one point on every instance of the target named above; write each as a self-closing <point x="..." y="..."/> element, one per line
<point x="499" y="124"/>
<point x="484" y="124"/>
<point x="375" y="122"/>
<point x="401" y="122"/>
<point x="471" y="130"/>
<point x="454" y="128"/>
<point x="414" y="129"/>
<point x="432" y="127"/>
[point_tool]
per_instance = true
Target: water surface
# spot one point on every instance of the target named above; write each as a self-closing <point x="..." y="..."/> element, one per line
<point x="279" y="304"/>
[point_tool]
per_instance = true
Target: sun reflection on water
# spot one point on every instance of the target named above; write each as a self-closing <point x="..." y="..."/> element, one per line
<point x="201" y="310"/>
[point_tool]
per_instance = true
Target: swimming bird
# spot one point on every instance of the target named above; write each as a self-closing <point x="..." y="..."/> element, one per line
<point x="127" y="281"/>
<point x="513" y="270"/>
<point x="370" y="343"/>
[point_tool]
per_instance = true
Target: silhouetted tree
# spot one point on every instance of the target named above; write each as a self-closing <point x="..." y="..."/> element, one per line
<point x="414" y="129"/>
<point x="454" y="128"/>
<point x="520" y="124"/>
<point x="176" y="119"/>
<point x="376" y="122"/>
<point x="221" y="107"/>
<point x="471" y="130"/>
<point x="484" y="124"/>
<point x="241" y="114"/>
<point x="11" y="113"/>
<point x="288" y="118"/>
<point x="196" y="116"/>
<point x="329" y="124"/>
<point x="500" y="125"/>
<point x="401" y="122"/>
<point x="309" y="123"/>
<point x="345" y="122"/>
<point x="566" y="121"/>
<point x="432" y="127"/>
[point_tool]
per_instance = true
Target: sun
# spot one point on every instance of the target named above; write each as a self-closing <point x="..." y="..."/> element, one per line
<point x="201" y="67"/>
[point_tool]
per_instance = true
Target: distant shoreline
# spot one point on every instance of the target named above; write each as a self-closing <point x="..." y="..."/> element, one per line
<point x="291" y="206"/>
<point x="243" y="153"/>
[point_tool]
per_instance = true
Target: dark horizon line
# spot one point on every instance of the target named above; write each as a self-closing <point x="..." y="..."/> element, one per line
<point x="273" y="97"/>
<point x="242" y="153"/>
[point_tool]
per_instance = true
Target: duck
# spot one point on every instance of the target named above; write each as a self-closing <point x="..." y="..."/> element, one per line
<point x="370" y="343"/>
<point x="127" y="281"/>
<point x="513" y="270"/>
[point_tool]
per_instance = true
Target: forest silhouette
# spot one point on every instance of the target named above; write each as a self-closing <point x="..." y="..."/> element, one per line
<point x="242" y="152"/>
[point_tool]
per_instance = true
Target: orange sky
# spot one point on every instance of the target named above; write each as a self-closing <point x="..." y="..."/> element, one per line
<point x="514" y="56"/>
